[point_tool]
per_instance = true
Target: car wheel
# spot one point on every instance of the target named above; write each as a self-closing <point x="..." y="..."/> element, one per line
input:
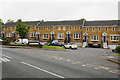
<point x="70" y="47"/>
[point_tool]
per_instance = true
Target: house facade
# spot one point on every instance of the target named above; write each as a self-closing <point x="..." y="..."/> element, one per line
<point x="77" y="31"/>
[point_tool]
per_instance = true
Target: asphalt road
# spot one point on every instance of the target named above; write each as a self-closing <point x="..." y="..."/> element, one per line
<point x="36" y="63"/>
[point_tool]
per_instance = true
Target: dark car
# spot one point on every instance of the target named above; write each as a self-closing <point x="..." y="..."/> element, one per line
<point x="96" y="45"/>
<point x="55" y="44"/>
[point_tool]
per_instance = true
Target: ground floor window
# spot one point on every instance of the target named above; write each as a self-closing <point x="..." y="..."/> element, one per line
<point x="32" y="34"/>
<point x="8" y="34"/>
<point x="114" y="37"/>
<point x="45" y="36"/>
<point x="60" y="35"/>
<point x="77" y="36"/>
<point x="94" y="37"/>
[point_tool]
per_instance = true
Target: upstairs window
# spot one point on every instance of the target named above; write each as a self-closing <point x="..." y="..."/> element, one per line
<point x="75" y="28"/>
<point x="48" y="28"/>
<point x="106" y="28"/>
<point x="99" y="28"/>
<point x="70" y="28"/>
<point x="63" y="27"/>
<point x="93" y="28"/>
<point x="80" y="27"/>
<point x="118" y="28"/>
<point x="11" y="28"/>
<point x="113" y="28"/>
<point x="54" y="28"/>
<point x="7" y="28"/>
<point x="59" y="28"/>
<point x="43" y="28"/>
<point x="31" y="27"/>
<point x="38" y="28"/>
<point x="87" y="28"/>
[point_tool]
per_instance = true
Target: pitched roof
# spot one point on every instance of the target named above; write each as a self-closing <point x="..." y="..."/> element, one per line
<point x="33" y="23"/>
<point x="52" y="23"/>
<point x="102" y="23"/>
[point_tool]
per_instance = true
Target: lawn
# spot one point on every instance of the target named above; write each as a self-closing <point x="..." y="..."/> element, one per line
<point x="116" y="54"/>
<point x="54" y="47"/>
<point x="17" y="44"/>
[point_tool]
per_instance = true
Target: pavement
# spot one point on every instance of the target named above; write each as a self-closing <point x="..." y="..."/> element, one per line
<point x="111" y="57"/>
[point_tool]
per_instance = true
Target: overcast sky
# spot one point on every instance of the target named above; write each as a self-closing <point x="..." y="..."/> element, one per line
<point x="47" y="10"/>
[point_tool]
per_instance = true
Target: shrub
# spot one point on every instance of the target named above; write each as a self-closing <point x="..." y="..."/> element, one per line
<point x="117" y="49"/>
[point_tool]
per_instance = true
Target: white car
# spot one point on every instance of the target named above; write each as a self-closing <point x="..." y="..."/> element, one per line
<point x="70" y="46"/>
<point x="25" y="41"/>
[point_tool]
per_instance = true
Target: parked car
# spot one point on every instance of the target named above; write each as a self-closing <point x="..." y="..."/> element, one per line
<point x="95" y="45"/>
<point x="24" y="41"/>
<point x="42" y="43"/>
<point x="70" y="46"/>
<point x="1" y="40"/>
<point x="55" y="44"/>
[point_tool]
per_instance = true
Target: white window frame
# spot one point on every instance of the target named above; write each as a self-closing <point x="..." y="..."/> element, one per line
<point x="35" y="27"/>
<point x="93" y="28"/>
<point x="119" y="28"/>
<point x="59" y="28"/>
<point x="76" y="36"/>
<point x="45" y="35"/>
<point x="70" y="27"/>
<point x="94" y="37"/>
<point x="75" y="28"/>
<point x="7" y="28"/>
<point x="114" y="37"/>
<point x="4" y="28"/>
<point x="87" y="28"/>
<point x="63" y="27"/>
<point x="11" y="28"/>
<point x="18" y="35"/>
<point x="53" y="27"/>
<point x="8" y="34"/>
<point x="32" y="34"/>
<point x="48" y="28"/>
<point x="99" y="29"/>
<point x="38" y="28"/>
<point x="31" y="27"/>
<point x="44" y="28"/>
<point x="113" y="28"/>
<point x="80" y="27"/>
<point x="106" y="28"/>
<point x="60" y="35"/>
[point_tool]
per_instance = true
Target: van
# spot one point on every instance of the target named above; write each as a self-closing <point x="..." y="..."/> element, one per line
<point x="24" y="41"/>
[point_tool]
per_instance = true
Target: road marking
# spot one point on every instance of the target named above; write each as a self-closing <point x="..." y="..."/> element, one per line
<point x="42" y="69"/>
<point x="4" y="60"/>
<point x="7" y="56"/>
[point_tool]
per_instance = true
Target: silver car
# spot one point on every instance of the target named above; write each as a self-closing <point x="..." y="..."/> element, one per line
<point x="70" y="46"/>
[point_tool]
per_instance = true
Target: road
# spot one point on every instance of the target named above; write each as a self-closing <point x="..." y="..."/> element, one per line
<point x="37" y="63"/>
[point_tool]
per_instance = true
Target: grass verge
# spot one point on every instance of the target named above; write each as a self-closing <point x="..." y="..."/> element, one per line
<point x="54" y="47"/>
<point x="116" y="54"/>
<point x="17" y="44"/>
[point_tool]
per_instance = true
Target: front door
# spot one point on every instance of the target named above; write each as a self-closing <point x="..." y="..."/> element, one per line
<point x="85" y="38"/>
<point x="3" y="35"/>
<point x="104" y="38"/>
<point x="68" y="36"/>
<point x="52" y="36"/>
<point x="14" y="35"/>
<point x="37" y="36"/>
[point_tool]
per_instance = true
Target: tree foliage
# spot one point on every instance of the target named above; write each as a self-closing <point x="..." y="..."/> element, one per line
<point x="22" y="28"/>
<point x="10" y="21"/>
<point x="83" y="19"/>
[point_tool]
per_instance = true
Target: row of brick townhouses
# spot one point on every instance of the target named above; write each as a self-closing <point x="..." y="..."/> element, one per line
<point x="75" y="30"/>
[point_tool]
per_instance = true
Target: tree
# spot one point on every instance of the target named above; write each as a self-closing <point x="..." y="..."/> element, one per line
<point x="83" y="19"/>
<point x="1" y="23"/>
<point x="22" y="28"/>
<point x="10" y="21"/>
